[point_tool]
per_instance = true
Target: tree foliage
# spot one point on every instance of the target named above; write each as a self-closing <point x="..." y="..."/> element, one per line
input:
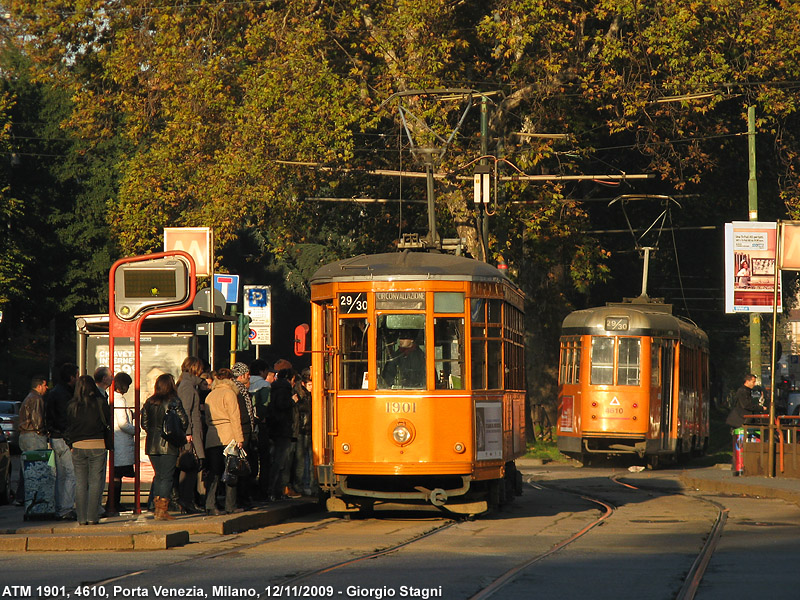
<point x="235" y="115"/>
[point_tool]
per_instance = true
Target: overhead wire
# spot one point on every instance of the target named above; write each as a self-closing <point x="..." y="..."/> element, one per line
<point x="678" y="267"/>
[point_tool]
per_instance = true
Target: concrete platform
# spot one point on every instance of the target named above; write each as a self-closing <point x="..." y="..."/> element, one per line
<point x="136" y="532"/>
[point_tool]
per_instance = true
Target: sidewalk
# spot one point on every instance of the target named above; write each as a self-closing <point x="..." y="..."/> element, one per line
<point x="719" y="479"/>
<point x="136" y="532"/>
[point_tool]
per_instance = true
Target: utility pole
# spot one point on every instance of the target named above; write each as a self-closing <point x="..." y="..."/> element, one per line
<point x="752" y="197"/>
<point x="483" y="218"/>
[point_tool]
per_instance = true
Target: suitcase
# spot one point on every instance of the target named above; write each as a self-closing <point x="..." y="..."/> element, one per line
<point x="39" y="471"/>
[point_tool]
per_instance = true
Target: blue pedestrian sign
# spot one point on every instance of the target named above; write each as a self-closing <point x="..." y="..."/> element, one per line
<point x="229" y="286"/>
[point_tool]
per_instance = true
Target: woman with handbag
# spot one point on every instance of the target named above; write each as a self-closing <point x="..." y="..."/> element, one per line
<point x="193" y="453"/>
<point x="88" y="417"/>
<point x="163" y="451"/>
<point x="224" y="425"/>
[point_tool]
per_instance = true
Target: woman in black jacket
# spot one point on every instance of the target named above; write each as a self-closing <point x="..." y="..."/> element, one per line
<point x="86" y="426"/>
<point x="188" y="385"/>
<point x="163" y="454"/>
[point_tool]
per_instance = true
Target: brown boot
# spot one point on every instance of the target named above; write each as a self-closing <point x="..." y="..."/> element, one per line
<point x="161" y="514"/>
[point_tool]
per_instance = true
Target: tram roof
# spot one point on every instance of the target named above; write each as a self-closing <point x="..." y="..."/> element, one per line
<point x="409" y="266"/>
<point x="643" y="320"/>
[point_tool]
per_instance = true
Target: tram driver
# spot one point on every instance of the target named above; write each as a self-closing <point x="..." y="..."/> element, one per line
<point x="405" y="368"/>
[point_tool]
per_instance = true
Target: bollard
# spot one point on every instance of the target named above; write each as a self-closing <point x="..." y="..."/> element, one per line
<point x="737" y="462"/>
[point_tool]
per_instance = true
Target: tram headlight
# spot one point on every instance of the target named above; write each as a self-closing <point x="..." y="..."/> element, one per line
<point x="345" y="448"/>
<point x="401" y="434"/>
<point x="459" y="448"/>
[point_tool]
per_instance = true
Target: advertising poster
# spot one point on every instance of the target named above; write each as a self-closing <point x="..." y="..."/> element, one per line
<point x="750" y="267"/>
<point x="565" y="418"/>
<point x="160" y="354"/>
<point x="488" y="431"/>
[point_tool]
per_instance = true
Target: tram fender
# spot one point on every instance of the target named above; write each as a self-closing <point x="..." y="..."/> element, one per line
<point x="569" y="444"/>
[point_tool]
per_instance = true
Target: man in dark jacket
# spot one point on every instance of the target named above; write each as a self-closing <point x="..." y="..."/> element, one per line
<point x="56" y="402"/>
<point x="281" y="420"/>
<point x="743" y="403"/>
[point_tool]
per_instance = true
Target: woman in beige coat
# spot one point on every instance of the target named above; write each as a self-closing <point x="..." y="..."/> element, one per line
<point x="224" y="424"/>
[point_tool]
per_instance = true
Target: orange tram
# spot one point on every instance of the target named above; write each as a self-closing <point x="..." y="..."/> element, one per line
<point x="633" y="379"/>
<point x="421" y="360"/>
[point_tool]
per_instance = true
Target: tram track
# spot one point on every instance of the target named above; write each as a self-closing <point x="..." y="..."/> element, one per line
<point x="513" y="573"/>
<point x="236" y="548"/>
<point x="691" y="581"/>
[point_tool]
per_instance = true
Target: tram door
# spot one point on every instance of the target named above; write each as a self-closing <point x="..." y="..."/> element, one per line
<point x="667" y="388"/>
<point x="329" y="381"/>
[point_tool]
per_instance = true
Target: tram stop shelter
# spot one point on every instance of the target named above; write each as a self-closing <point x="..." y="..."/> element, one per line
<point x="166" y="340"/>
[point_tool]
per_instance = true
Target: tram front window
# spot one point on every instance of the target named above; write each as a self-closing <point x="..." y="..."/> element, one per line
<point x="448" y="342"/>
<point x="602" y="360"/>
<point x="628" y="361"/>
<point x="401" y="352"/>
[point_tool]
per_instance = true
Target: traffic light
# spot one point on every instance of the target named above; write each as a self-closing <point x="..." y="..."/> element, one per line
<point x="242" y="332"/>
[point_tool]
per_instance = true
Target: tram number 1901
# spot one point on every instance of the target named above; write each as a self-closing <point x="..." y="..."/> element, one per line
<point x="401" y="407"/>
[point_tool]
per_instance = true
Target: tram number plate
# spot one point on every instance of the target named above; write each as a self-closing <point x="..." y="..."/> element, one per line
<point x="353" y="303"/>
<point x="401" y="407"/>
<point x="617" y="324"/>
<point x="613" y="411"/>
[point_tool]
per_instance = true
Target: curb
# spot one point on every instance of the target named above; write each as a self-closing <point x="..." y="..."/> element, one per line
<point x="740" y="489"/>
<point x="95" y="541"/>
<point x="141" y="534"/>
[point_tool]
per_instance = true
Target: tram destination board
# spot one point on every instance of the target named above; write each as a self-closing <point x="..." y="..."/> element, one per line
<point x="400" y="300"/>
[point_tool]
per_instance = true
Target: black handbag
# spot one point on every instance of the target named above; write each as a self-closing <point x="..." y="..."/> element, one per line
<point x="172" y="430"/>
<point x="187" y="459"/>
<point x="229" y="477"/>
<point x="236" y="466"/>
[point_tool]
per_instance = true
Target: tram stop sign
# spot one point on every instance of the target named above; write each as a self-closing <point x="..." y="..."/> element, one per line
<point x="153" y="283"/>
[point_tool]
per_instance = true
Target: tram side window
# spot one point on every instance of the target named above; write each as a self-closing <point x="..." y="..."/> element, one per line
<point x="570" y="361"/>
<point x="354" y="345"/>
<point x="514" y="356"/>
<point x="401" y="351"/>
<point x="478" y="346"/>
<point x="628" y="361"/>
<point x="495" y="365"/>
<point x="448" y="344"/>
<point x="602" y="361"/>
<point x="478" y="364"/>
